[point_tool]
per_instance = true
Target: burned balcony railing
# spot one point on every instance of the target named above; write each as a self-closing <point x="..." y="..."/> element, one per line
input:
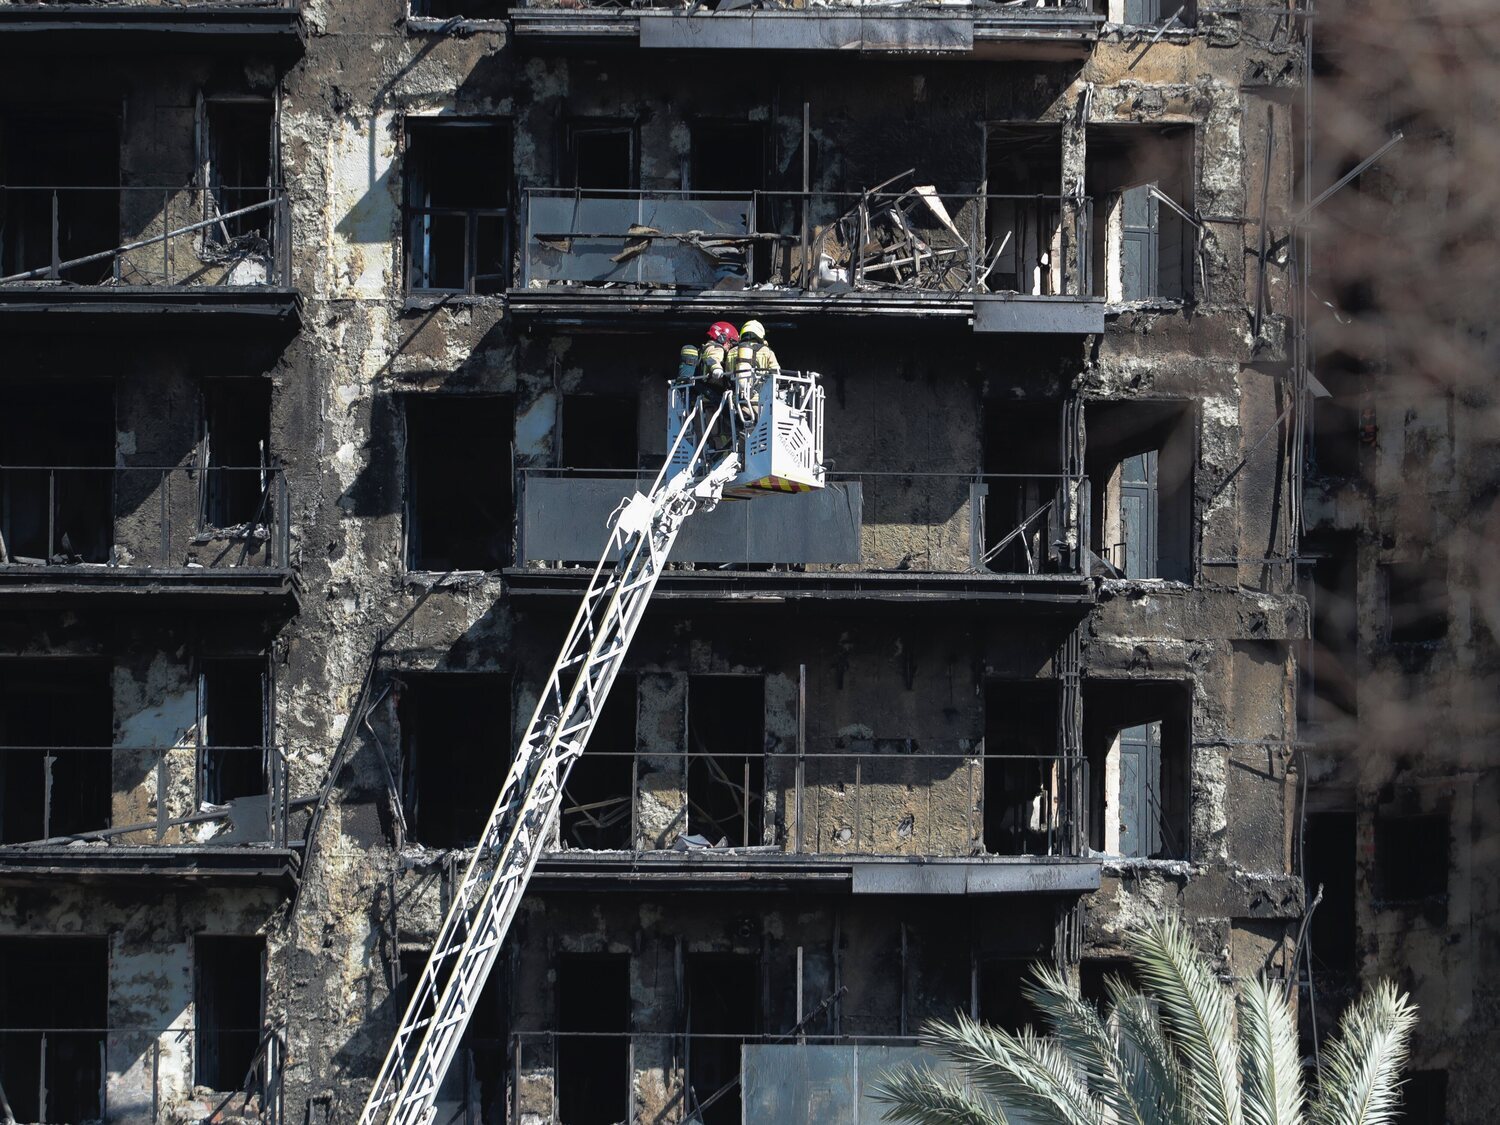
<point x="885" y="523"/>
<point x="156" y="237"/>
<point x="901" y="801"/>
<point x="133" y="1074"/>
<point x="823" y="244"/>
<point x="194" y="796"/>
<point x="56" y="519"/>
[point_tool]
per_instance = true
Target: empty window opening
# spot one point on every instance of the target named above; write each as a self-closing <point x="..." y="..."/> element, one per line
<point x="236" y="451"/>
<point x="1002" y="1003"/>
<point x="233" y="699"/>
<point x="599" y="432"/>
<point x="55" y="992"/>
<point x="458" y="9"/>
<point x="601" y="156"/>
<point x="239" y="163"/>
<point x="1148" y="13"/>
<point x="1136" y="736"/>
<point x="455" y="749"/>
<point x="1023" y="786"/>
<point x="457" y="205"/>
<point x="1333" y="450"/>
<point x="229" y="995"/>
<point x="1329" y="574"/>
<point x="56" y="729"/>
<point x="1328" y="860"/>
<point x="1023" y="493"/>
<point x="593" y="1047"/>
<point x="1412" y="857"/>
<point x="723" y="1004"/>
<point x="46" y="159"/>
<point x="1424" y="1097"/>
<point x="1023" y="214"/>
<point x="1416" y="600"/>
<point x="459" y="501"/>
<point x="1094" y="974"/>
<point x="726" y="758"/>
<point x="596" y="810"/>
<point x="473" y="1092"/>
<point x="1143" y="249"/>
<point x="728" y="156"/>
<point x="1140" y="461"/>
<point x="57" y="478"/>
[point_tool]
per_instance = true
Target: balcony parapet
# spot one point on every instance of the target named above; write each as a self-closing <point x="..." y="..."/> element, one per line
<point x="267" y="26"/>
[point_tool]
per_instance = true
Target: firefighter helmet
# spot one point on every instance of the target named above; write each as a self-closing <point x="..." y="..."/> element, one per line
<point x="753" y="328"/>
<point x="722" y="333"/>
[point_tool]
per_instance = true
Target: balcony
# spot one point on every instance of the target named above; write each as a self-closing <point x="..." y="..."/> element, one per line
<point x="146" y="258"/>
<point x="899" y="537"/>
<point x="1049" y="30"/>
<point x="185" y="813"/>
<point x="91" y="535"/>
<point x="904" y="819"/>
<point x="197" y="26"/>
<point x="996" y="263"/>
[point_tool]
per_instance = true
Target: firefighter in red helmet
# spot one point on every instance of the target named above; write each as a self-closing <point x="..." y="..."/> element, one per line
<point x="712" y="378"/>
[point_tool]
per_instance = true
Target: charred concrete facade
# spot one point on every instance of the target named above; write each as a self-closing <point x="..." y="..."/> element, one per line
<point x="318" y="410"/>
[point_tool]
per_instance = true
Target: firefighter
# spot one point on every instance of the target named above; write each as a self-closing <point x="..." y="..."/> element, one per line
<point x="711" y="377"/>
<point x="753" y="360"/>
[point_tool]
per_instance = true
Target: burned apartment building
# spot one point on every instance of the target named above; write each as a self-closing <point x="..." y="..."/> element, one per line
<point x="334" y="334"/>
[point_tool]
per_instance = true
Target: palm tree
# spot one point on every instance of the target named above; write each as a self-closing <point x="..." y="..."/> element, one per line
<point x="1166" y="1055"/>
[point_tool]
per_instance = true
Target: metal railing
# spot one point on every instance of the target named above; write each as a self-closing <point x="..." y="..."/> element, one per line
<point x="916" y="240"/>
<point x="125" y="795"/>
<point x="144" y="517"/>
<point x="256" y="5"/>
<point x="829" y="802"/>
<point x="148" y="236"/>
<point x="134" y="1074"/>
<point x="877" y="522"/>
<point x="458" y="249"/>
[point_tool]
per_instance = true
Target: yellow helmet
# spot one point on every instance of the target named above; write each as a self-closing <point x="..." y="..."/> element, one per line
<point x="753" y="328"/>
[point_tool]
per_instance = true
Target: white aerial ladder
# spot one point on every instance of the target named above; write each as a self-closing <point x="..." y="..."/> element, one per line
<point x="710" y="456"/>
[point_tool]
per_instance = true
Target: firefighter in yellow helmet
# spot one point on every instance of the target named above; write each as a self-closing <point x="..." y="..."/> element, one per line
<point x="753" y="361"/>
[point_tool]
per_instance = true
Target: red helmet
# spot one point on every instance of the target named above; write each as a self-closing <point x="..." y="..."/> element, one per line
<point x="724" y="333"/>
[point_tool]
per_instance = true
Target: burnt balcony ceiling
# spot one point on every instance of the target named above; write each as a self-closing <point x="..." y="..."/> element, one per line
<point x="272" y="27"/>
<point x="1054" y="30"/>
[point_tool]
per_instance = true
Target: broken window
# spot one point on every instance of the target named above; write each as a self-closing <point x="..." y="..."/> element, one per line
<point x="455" y="750"/>
<point x="723" y="1003"/>
<point x="726" y="758"/>
<point x="1137" y="738"/>
<point x="1328" y="861"/>
<point x="459" y="502"/>
<point x="57" y="456"/>
<point x="457" y="205"/>
<point x="596" y="810"/>
<point x="1023" y="210"/>
<point x="1094" y="974"/>
<point x="458" y="9"/>
<point x="1424" y="1097"/>
<point x="1335" y="433"/>
<point x="599" y="432"/>
<point x="229" y="998"/>
<point x="233" y="698"/>
<point x="728" y="156"/>
<point x="1330" y="582"/>
<point x="1143" y="247"/>
<point x="236" y="451"/>
<point x="1412" y="857"/>
<point x="1023" y="788"/>
<point x="56" y="729"/>
<point x="473" y="1091"/>
<point x="1416" y="600"/>
<point x="1002" y="1003"/>
<point x="593" y="1044"/>
<point x="1140" y="460"/>
<point x="1023" y="447"/>
<point x="48" y="161"/>
<point x="600" y="156"/>
<point x="239" y="159"/>
<point x="55" y="992"/>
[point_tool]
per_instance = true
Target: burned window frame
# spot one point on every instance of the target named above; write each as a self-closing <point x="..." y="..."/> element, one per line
<point x="419" y="17"/>
<point x="214" y="756"/>
<point x="209" y="1039"/>
<point x="416" y="267"/>
<point x="567" y="150"/>
<point x="216" y="487"/>
<point x="219" y="239"/>
<point x="1112" y="146"/>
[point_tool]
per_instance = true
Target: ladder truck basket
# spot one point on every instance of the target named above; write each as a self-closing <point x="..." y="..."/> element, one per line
<point x="781" y="448"/>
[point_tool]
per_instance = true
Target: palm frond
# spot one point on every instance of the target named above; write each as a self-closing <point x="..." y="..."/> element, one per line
<point x="1270" y="1064"/>
<point x="1197" y="1013"/>
<point x="1362" y="1067"/>
<point x="1027" y="1076"/>
<point x="1145" y="1052"/>
<point x="920" y="1095"/>
<point x="1079" y="1031"/>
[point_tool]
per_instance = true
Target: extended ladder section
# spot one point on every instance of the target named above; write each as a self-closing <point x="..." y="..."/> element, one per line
<point x="485" y="903"/>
